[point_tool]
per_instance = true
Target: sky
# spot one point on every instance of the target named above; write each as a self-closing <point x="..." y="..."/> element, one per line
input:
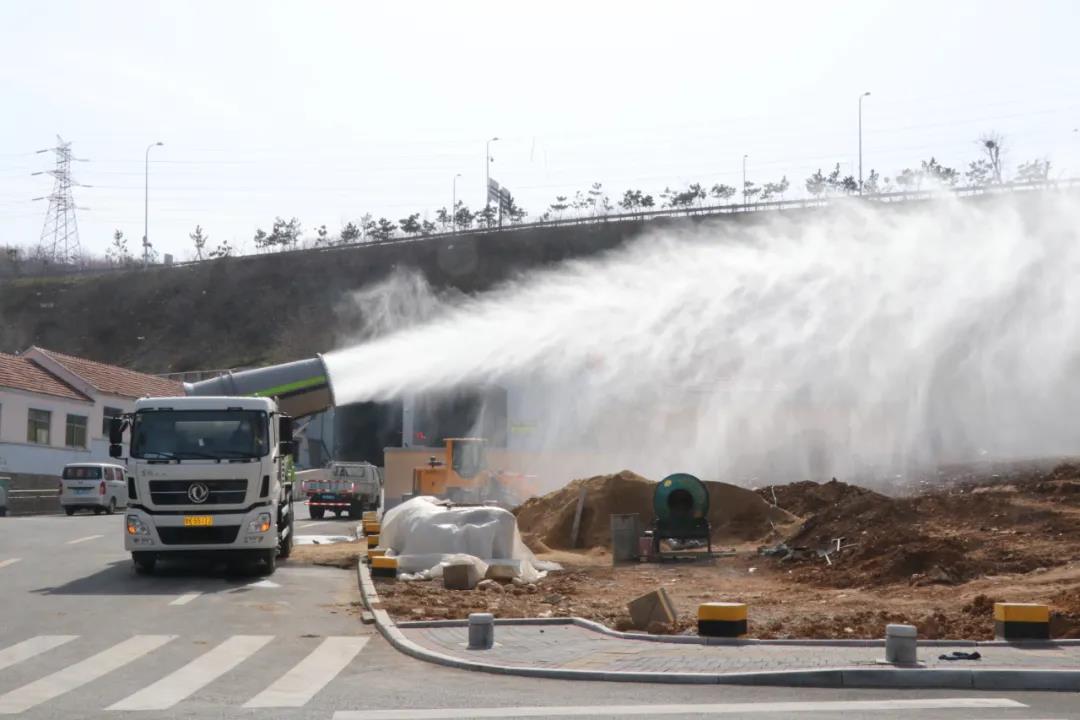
<point x="329" y="110"/>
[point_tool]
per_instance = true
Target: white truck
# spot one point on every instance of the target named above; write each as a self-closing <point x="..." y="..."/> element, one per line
<point x="208" y="475"/>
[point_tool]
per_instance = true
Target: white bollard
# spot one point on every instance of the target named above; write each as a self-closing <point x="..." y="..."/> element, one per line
<point x="481" y="631"/>
<point x="900" y="644"/>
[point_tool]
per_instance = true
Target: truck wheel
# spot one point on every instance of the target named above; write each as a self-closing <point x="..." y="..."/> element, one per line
<point x="270" y="561"/>
<point x="112" y="506"/>
<point x="315" y="513"/>
<point x="144" y="562"/>
<point x="70" y="511"/>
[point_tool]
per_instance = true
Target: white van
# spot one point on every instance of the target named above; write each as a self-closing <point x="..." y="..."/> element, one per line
<point x="101" y="487"/>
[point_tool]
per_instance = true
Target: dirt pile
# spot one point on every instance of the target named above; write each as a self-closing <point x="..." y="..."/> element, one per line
<point x="736" y="514"/>
<point x="808" y="497"/>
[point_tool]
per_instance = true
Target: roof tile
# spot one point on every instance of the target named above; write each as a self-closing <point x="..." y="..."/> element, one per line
<point x="116" y="380"/>
<point x="22" y="373"/>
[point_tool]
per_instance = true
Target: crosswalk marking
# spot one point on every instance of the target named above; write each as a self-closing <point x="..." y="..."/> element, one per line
<point x="310" y="675"/>
<point x="785" y="708"/>
<point x="29" y="648"/>
<point x="185" y="598"/>
<point x="75" y="676"/>
<point x="9" y="561"/>
<point x="76" y="541"/>
<point x="201" y="671"/>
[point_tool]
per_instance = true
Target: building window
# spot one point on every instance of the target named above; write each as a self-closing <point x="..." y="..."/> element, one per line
<point x="108" y="414"/>
<point x="37" y="426"/>
<point x="75" y="437"/>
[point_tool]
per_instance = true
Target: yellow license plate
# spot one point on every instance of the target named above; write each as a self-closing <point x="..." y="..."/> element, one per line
<point x="198" y="520"/>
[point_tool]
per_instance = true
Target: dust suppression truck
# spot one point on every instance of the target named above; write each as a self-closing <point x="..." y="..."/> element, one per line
<point x="208" y="475"/>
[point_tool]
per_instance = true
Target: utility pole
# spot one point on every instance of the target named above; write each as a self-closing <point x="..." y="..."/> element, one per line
<point x="59" y="242"/>
<point x="865" y="94"/>
<point x="744" y="179"/>
<point x="453" y="203"/>
<point x="146" y="208"/>
<point x="487" y="171"/>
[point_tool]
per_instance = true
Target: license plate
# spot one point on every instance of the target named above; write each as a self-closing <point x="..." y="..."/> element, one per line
<point x="198" y="520"/>
<point x="329" y="496"/>
<point x="80" y="491"/>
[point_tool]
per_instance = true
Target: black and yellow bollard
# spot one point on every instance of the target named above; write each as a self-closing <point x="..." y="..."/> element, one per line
<point x="372" y="541"/>
<point x="1021" y="621"/>
<point x="384" y="567"/>
<point x="375" y="552"/>
<point x="370" y="516"/>
<point x="371" y="527"/>
<point x="722" y="619"/>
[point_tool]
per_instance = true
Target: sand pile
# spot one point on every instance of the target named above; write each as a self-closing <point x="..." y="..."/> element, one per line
<point x="808" y="497"/>
<point x="736" y="514"/>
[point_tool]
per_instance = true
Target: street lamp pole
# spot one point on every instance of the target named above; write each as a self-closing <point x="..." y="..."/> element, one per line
<point x="453" y="203"/>
<point x="487" y="170"/>
<point x="865" y="94"/>
<point x="146" y="207"/>
<point x="744" y="179"/>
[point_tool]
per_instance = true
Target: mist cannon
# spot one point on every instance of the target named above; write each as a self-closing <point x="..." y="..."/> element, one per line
<point x="681" y="510"/>
<point x="301" y="387"/>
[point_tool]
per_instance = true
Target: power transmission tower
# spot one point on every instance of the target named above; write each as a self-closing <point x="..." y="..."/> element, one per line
<point x="60" y="235"/>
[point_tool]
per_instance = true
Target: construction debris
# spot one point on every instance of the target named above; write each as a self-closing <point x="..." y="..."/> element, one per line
<point x="650" y="608"/>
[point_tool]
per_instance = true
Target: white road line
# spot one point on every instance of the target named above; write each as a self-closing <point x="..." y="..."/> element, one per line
<point x="201" y="671"/>
<point x="29" y="648"/>
<point x="9" y="561"/>
<point x="185" y="598"/>
<point x="305" y="526"/>
<point x="310" y="675"/>
<point x="837" y="706"/>
<point x="83" y="539"/>
<point x="81" y="673"/>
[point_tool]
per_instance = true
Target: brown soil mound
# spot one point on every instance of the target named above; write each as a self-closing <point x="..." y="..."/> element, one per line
<point x="736" y="514"/>
<point x="808" y="497"/>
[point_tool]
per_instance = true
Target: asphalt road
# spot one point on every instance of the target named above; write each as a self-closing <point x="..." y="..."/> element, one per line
<point x="83" y="636"/>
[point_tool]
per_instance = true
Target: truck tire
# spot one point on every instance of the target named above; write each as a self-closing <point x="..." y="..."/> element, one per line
<point x="269" y="561"/>
<point x="144" y="562"/>
<point x="70" y="511"/>
<point x="356" y="509"/>
<point x="112" y="506"/>
<point x="315" y="513"/>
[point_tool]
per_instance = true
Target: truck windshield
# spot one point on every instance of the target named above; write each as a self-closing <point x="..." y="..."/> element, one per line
<point x="204" y="434"/>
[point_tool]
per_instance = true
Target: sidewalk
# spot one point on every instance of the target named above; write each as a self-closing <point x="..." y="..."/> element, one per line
<point x="575" y="649"/>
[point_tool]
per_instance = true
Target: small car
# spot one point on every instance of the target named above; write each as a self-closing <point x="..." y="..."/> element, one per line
<point x="101" y="487"/>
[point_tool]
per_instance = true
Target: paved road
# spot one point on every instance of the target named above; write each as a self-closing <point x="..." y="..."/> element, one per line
<point x="82" y="636"/>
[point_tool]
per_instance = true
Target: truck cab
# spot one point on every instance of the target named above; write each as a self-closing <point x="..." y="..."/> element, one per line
<point x="207" y="476"/>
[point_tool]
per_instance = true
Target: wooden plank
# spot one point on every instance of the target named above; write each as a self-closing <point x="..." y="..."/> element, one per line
<point x="577" y="518"/>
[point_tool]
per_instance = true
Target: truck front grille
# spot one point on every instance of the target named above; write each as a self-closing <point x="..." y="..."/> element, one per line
<point x="175" y="492"/>
<point x="222" y="535"/>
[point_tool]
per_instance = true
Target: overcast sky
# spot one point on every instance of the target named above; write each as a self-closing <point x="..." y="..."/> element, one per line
<point x="328" y="110"/>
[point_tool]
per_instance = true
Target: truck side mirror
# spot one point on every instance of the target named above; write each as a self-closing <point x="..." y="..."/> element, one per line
<point x="116" y="450"/>
<point x="116" y="431"/>
<point x="286" y="446"/>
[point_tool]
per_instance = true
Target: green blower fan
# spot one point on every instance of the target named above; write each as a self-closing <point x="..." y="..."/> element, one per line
<point x="681" y="509"/>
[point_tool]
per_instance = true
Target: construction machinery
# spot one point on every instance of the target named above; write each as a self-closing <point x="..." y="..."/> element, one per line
<point x="681" y="511"/>
<point x="466" y="478"/>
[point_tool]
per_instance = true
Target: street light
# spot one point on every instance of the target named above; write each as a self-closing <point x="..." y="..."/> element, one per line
<point x="453" y="203"/>
<point x="744" y="179"/>
<point x="487" y="170"/>
<point x="146" y="207"/>
<point x="865" y="94"/>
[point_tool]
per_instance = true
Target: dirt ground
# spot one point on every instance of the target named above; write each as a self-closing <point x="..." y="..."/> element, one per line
<point x="937" y="559"/>
<point x="342" y="555"/>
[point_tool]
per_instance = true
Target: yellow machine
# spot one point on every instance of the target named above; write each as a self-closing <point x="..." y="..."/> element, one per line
<point x="466" y="478"/>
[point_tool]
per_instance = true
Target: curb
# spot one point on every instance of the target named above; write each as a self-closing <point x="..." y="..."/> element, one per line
<point x="852" y="677"/>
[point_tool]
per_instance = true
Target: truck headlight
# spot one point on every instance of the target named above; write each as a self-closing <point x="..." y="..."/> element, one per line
<point x="260" y="524"/>
<point x="136" y="527"/>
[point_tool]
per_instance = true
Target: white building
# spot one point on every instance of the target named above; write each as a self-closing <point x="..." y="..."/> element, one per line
<point x="54" y="409"/>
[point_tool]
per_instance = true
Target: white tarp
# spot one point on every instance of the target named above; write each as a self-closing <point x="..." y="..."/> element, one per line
<point x="426" y="533"/>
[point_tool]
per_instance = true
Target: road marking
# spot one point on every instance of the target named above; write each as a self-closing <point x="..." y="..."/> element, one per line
<point x="81" y="673"/>
<point x="29" y="648"/>
<point x="263" y="584"/>
<point x="9" y="561"/>
<point x="305" y="526"/>
<point x="310" y="675"/>
<point x="836" y="706"/>
<point x="185" y="598"/>
<point x="83" y="539"/>
<point x="198" y="673"/>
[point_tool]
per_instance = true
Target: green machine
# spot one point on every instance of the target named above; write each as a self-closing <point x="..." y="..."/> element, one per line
<point x="681" y="511"/>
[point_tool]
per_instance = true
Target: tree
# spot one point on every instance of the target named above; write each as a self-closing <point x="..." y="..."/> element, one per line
<point x="285" y="233"/>
<point x="368" y="227"/>
<point x="936" y="171"/>
<point x="486" y="217"/>
<point x="722" y="192"/>
<point x="383" y="230"/>
<point x="223" y="250"/>
<point x="871" y="185"/>
<point x="750" y="191"/>
<point x="321" y="236"/>
<point x="909" y="179"/>
<point x="118" y="252"/>
<point x="580" y="202"/>
<point x="778" y="188"/>
<point x="463" y="217"/>
<point x="1033" y="171"/>
<point x="515" y="213"/>
<point x="849" y="185"/>
<point x="561" y="205"/>
<point x="427" y="227"/>
<point x="199" y="239"/>
<point x="261" y="239"/>
<point x="817" y="184"/>
<point x="350" y="233"/>
<point x="411" y="225"/>
<point x="442" y="216"/>
<point x="598" y="200"/>
<point x="647" y="202"/>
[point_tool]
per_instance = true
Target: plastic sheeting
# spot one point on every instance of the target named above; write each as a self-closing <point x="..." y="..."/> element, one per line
<point x="426" y="533"/>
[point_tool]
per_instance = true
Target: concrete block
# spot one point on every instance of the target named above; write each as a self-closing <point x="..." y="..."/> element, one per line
<point x="503" y="572"/>
<point x="481" y="631"/>
<point x="900" y="644"/>
<point x="460" y="577"/>
<point x="653" y="607"/>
